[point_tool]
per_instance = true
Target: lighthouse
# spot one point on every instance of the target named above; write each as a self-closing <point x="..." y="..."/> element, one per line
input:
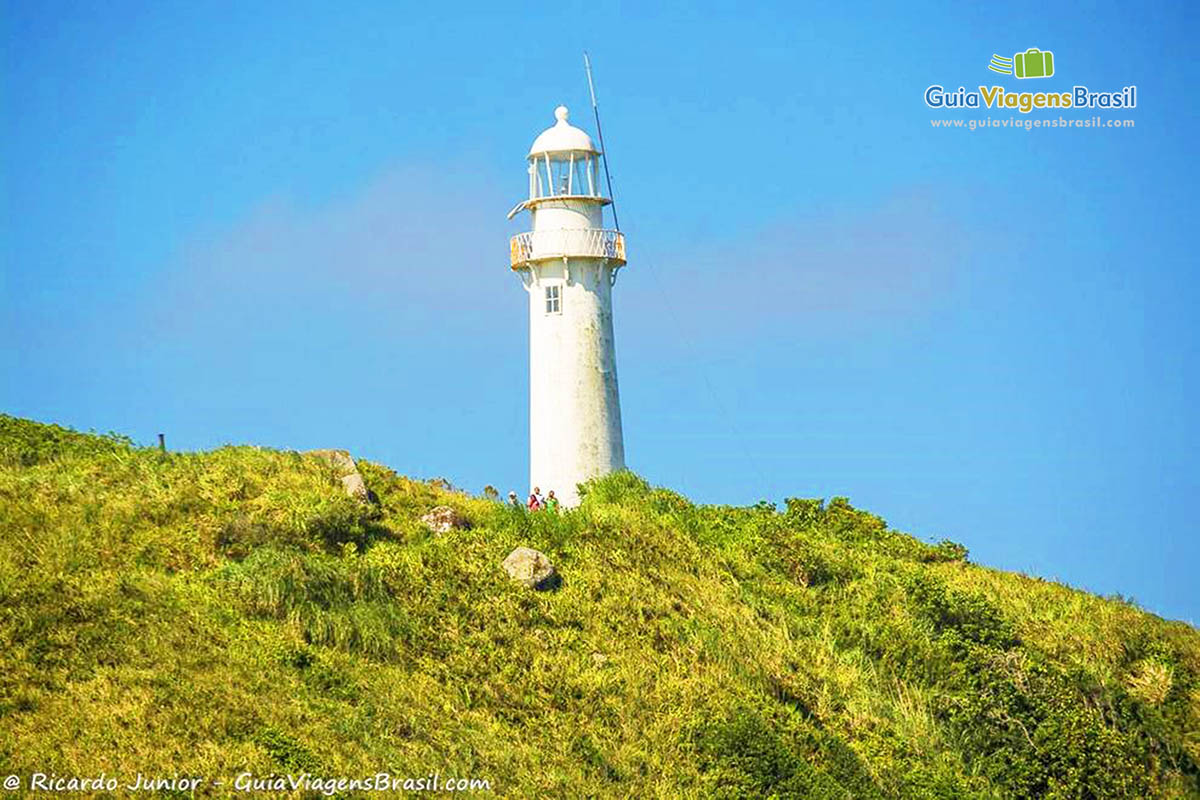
<point x="568" y="263"/>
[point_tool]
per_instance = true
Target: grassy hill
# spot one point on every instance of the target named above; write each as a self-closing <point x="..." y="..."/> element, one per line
<point x="233" y="611"/>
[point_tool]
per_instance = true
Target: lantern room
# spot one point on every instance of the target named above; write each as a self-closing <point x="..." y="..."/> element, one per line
<point x="563" y="163"/>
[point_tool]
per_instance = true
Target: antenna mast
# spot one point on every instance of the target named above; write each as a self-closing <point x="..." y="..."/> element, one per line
<point x="587" y="66"/>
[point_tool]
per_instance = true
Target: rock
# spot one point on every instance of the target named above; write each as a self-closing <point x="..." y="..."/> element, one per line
<point x="531" y="568"/>
<point x="356" y="487"/>
<point x="352" y="481"/>
<point x="444" y="519"/>
<point x="599" y="659"/>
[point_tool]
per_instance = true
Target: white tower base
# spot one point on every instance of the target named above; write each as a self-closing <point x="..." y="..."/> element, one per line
<point x="574" y="409"/>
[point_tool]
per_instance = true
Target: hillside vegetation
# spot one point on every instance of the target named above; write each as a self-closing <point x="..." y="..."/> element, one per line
<point x="233" y="611"/>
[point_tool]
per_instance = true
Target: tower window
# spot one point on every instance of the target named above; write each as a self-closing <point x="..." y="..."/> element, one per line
<point x="553" y="300"/>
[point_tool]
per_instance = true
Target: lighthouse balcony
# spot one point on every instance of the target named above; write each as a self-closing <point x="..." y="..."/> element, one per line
<point x="567" y="243"/>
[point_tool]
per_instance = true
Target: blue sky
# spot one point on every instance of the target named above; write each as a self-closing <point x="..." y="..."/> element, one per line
<point x="283" y="224"/>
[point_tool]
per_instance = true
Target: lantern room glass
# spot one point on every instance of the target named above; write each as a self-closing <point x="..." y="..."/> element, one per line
<point x="571" y="173"/>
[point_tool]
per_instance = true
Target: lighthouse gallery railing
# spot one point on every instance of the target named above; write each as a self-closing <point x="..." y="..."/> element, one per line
<point x="582" y="242"/>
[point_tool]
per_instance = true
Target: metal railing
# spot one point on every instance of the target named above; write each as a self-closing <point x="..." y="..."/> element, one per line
<point x="568" y="243"/>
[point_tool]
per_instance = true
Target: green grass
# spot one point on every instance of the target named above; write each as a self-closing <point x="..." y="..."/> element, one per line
<point x="229" y="611"/>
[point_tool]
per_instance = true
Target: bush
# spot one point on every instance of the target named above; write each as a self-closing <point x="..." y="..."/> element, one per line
<point x="809" y="561"/>
<point x="1039" y="731"/>
<point x="958" y="615"/>
<point x="617" y="488"/>
<point x="745" y="755"/>
<point x="804" y="513"/>
<point x="945" y="550"/>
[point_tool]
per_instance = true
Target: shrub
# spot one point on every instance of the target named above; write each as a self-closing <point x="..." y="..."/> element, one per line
<point x="804" y="512"/>
<point x="1038" y="732"/>
<point x="945" y="550"/>
<point x="959" y="615"/>
<point x="619" y="487"/>
<point x="746" y="755"/>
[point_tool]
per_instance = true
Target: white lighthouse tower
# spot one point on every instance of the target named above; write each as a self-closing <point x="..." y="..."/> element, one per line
<point x="568" y="263"/>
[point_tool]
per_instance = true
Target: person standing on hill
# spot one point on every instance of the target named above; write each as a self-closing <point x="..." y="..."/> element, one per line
<point x="535" y="499"/>
<point x="552" y="502"/>
<point x="513" y="500"/>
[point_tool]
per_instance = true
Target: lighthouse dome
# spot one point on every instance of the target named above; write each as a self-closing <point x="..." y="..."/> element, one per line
<point x="562" y="137"/>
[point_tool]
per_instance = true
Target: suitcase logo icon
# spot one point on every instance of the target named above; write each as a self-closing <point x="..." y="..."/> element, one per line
<point x="1033" y="63"/>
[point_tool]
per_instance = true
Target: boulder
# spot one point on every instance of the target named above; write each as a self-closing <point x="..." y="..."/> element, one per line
<point x="532" y="568"/>
<point x="444" y="519"/>
<point x="356" y="487"/>
<point x="352" y="482"/>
